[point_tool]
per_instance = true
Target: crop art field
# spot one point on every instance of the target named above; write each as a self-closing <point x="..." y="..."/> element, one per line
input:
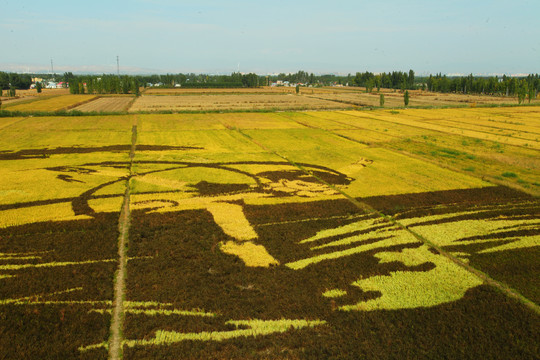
<point x="292" y="235"/>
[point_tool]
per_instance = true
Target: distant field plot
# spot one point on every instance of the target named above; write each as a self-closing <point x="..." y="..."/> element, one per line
<point x="106" y="104"/>
<point x="395" y="98"/>
<point x="62" y="102"/>
<point x="229" y="102"/>
<point x="186" y="91"/>
<point x="279" y="235"/>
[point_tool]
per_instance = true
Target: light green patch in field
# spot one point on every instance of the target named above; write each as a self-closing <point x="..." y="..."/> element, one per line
<point x="156" y="312"/>
<point x="452" y="233"/>
<point x="399" y="238"/>
<point x="342" y="230"/>
<point x="38" y="298"/>
<point x="247" y="328"/>
<point x="334" y="293"/>
<point x="20" y="256"/>
<point x="52" y="264"/>
<point x="446" y="282"/>
<point x="517" y="243"/>
<point x="145" y="304"/>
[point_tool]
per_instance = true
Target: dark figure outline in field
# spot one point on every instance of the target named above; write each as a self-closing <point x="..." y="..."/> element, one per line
<point x="223" y="201"/>
<point x="302" y="179"/>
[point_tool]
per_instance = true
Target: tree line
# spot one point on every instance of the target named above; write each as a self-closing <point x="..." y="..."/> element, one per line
<point x="493" y="85"/>
<point x="521" y="87"/>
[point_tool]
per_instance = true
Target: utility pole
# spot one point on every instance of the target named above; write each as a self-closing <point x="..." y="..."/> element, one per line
<point x="52" y="69"/>
<point x="118" y="65"/>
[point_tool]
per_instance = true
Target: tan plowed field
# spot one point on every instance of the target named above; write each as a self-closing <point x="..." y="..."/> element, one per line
<point x="106" y="104"/>
<point x="230" y="102"/>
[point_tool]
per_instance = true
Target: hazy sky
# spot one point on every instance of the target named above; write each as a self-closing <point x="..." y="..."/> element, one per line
<point x="218" y="36"/>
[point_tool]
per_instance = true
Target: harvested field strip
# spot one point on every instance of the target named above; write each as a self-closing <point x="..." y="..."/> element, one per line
<point x="106" y="104"/>
<point x="430" y="244"/>
<point x="228" y="102"/>
<point x="218" y="91"/>
<point x="7" y="104"/>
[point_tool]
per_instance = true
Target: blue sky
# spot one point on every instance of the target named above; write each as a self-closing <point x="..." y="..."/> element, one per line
<point x="216" y="36"/>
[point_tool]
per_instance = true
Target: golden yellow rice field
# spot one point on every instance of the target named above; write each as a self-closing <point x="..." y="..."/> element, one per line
<point x="57" y="103"/>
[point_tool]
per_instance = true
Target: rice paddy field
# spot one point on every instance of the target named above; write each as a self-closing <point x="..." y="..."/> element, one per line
<point x="283" y="235"/>
<point x="48" y="104"/>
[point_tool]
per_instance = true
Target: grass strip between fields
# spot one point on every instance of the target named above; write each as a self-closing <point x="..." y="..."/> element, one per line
<point x="505" y="289"/>
<point x="118" y="312"/>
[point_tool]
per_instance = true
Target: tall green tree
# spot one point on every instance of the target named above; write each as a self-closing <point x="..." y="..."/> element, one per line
<point x="406" y="98"/>
<point x="135" y="87"/>
<point x="411" y="79"/>
<point x="381" y="100"/>
<point x="38" y="87"/>
<point x="530" y="93"/>
<point x="521" y="91"/>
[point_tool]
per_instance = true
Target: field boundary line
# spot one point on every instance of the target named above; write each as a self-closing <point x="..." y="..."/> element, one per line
<point x="505" y="289"/>
<point x="118" y="314"/>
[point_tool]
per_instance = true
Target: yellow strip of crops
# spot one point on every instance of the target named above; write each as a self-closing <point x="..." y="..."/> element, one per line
<point x="52" y="104"/>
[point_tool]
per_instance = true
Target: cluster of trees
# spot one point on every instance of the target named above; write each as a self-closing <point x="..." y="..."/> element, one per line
<point x="235" y="80"/>
<point x="17" y="81"/>
<point x="522" y="87"/>
<point x="393" y="80"/>
<point x="494" y="85"/>
<point x="104" y="84"/>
